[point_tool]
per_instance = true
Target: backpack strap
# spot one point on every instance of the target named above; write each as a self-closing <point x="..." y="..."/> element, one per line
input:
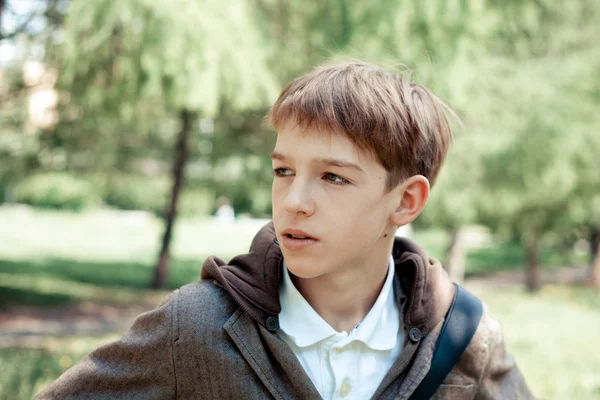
<point x="459" y="327"/>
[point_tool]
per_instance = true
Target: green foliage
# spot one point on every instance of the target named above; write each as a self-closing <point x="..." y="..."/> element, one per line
<point x="57" y="191"/>
<point x="19" y="141"/>
<point x="456" y="193"/>
<point x="134" y="192"/>
<point x="247" y="196"/>
<point x="66" y="191"/>
<point x="196" y="202"/>
<point x="517" y="73"/>
<point x="128" y="192"/>
<point x="544" y="178"/>
<point x="190" y="55"/>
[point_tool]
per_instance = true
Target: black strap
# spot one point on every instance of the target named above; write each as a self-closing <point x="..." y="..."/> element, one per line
<point x="459" y="327"/>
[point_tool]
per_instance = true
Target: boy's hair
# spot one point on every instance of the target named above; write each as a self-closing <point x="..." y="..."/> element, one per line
<point x="402" y="123"/>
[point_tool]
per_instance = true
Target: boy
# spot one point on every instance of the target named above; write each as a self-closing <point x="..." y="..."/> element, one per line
<point x="328" y="303"/>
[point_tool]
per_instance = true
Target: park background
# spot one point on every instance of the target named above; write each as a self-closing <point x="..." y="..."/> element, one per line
<point x="125" y="125"/>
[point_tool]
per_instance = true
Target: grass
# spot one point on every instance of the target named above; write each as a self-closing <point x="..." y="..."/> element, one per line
<point x="498" y="255"/>
<point x="113" y="236"/>
<point x="553" y="336"/>
<point x="54" y="258"/>
<point x="59" y="281"/>
<point x="26" y="371"/>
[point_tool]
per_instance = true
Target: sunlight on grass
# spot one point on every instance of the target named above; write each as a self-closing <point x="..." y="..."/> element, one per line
<point x="50" y="291"/>
<point x="554" y="338"/>
<point x="50" y="257"/>
<point x="26" y="371"/>
<point x="111" y="235"/>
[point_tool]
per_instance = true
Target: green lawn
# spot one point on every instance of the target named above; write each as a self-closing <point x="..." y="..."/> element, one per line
<point x="553" y="335"/>
<point x="52" y="258"/>
<point x="26" y="371"/>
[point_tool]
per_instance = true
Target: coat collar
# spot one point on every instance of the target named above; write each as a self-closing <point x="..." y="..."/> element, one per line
<point x="253" y="280"/>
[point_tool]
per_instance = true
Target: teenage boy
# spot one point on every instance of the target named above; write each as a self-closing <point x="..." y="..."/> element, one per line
<point x="327" y="303"/>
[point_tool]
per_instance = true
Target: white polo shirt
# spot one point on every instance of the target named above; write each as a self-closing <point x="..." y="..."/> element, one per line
<point x="343" y="365"/>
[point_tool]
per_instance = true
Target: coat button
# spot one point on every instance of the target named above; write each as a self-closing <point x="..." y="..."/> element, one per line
<point x="272" y="324"/>
<point x="414" y="334"/>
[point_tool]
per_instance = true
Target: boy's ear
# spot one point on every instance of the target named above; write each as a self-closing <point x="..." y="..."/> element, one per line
<point x="412" y="197"/>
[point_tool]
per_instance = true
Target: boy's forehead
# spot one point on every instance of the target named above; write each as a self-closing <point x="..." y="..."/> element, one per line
<point x="318" y="145"/>
<point x="315" y="139"/>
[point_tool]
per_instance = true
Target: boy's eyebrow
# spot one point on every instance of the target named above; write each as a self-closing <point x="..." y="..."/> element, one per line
<point x="278" y="156"/>
<point x="335" y="162"/>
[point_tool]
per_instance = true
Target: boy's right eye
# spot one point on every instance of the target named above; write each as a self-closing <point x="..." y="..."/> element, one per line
<point x="282" y="172"/>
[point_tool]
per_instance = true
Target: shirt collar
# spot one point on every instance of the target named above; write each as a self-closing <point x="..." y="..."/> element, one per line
<point x="298" y="320"/>
<point x="379" y="330"/>
<point x="305" y="327"/>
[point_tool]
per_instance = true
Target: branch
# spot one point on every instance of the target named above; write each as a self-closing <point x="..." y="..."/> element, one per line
<point x="19" y="29"/>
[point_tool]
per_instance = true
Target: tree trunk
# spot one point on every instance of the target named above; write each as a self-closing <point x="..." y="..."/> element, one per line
<point x="595" y="251"/>
<point x="162" y="267"/>
<point x="457" y="256"/>
<point x="533" y="279"/>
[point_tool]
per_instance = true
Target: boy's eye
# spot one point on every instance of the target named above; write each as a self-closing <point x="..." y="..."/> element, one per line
<point x="335" y="179"/>
<point x="282" y="172"/>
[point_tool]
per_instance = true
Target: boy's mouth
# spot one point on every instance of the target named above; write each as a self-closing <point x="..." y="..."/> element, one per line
<point x="296" y="240"/>
<point x="297" y="234"/>
<point x="297" y="237"/>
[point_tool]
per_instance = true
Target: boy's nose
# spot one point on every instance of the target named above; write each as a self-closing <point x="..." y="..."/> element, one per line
<point x="299" y="199"/>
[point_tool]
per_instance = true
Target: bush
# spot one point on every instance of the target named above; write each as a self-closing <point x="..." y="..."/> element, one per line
<point x="196" y="202"/>
<point x="59" y="191"/>
<point x="133" y="192"/>
<point x="247" y="196"/>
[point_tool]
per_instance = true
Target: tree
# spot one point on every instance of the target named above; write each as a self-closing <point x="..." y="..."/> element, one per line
<point x="527" y="107"/>
<point x="21" y="26"/>
<point x="584" y="210"/>
<point x="595" y="259"/>
<point x="187" y="56"/>
<point x="453" y="204"/>
<point x="22" y="140"/>
<point x="544" y="179"/>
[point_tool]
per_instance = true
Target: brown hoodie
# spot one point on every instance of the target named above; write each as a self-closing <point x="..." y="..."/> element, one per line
<point x="217" y="339"/>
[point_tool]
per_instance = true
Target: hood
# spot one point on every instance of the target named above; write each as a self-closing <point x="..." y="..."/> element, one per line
<point x="253" y="280"/>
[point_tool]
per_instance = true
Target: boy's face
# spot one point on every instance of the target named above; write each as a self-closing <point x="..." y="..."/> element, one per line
<point x="329" y="191"/>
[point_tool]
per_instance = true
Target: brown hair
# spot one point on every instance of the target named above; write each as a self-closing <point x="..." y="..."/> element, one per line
<point x="402" y="123"/>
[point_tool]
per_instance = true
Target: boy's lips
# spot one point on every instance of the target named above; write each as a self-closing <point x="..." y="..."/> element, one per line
<point x="297" y="233"/>
<point x="296" y="239"/>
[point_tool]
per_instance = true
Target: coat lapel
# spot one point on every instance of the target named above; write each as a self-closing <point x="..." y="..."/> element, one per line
<point x="271" y="358"/>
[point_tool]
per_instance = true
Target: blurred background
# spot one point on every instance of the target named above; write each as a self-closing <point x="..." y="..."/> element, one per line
<point x="132" y="145"/>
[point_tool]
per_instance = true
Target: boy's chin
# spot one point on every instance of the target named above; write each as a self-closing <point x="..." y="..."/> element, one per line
<point x="304" y="270"/>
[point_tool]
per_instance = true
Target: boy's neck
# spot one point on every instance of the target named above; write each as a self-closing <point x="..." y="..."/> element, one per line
<point x="344" y="300"/>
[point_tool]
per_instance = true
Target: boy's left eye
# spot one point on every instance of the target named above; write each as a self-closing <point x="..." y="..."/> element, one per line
<point x="335" y="179"/>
